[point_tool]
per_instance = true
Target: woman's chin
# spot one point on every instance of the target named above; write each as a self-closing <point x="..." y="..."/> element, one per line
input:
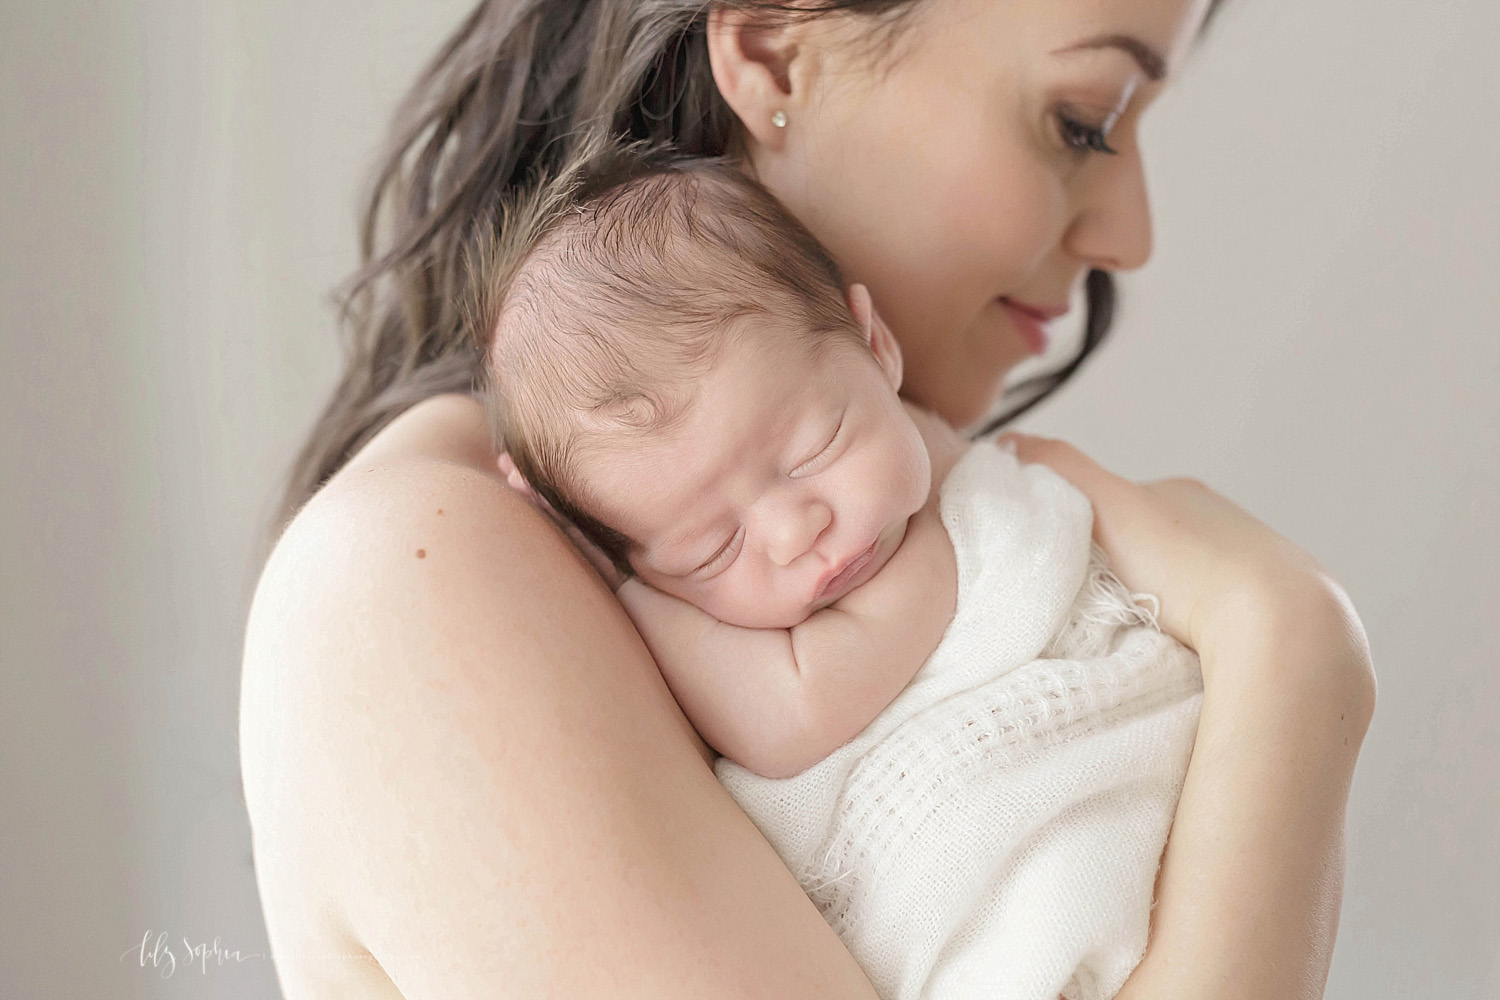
<point x="967" y="405"/>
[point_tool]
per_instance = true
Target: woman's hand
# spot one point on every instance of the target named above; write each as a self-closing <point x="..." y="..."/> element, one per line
<point x="1212" y="566"/>
<point x="601" y="562"/>
<point x="1251" y="881"/>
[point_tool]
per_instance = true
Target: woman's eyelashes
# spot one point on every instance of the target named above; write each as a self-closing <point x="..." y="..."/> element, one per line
<point x="1081" y="137"/>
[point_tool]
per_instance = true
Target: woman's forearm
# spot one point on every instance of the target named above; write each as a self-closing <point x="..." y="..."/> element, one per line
<point x="1252" y="878"/>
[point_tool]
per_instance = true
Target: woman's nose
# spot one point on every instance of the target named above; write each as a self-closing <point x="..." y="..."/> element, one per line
<point x="1111" y="227"/>
<point x="792" y="530"/>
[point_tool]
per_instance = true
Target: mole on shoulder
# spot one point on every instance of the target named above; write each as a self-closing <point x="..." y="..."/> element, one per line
<point x="421" y="553"/>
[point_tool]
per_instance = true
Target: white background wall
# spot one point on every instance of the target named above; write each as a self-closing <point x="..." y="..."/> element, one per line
<point x="1318" y="338"/>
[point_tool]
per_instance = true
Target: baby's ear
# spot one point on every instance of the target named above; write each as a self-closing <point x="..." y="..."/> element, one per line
<point x="515" y="480"/>
<point x="882" y="342"/>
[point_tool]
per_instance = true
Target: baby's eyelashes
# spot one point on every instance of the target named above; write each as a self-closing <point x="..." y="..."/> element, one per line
<point x="821" y="458"/>
<point x="723" y="557"/>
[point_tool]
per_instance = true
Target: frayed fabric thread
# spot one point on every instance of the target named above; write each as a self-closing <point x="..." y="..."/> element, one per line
<point x="1104" y="606"/>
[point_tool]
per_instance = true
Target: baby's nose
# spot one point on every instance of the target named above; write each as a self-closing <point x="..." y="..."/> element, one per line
<point x="797" y="529"/>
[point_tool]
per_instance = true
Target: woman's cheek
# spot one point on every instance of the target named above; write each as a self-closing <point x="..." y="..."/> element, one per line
<point x="1037" y="210"/>
<point x="1013" y="228"/>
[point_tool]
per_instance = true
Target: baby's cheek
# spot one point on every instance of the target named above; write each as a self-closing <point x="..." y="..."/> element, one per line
<point x="917" y="472"/>
<point x="739" y="597"/>
<point x="716" y="600"/>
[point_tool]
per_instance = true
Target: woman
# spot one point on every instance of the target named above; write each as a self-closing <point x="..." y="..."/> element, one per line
<point x="465" y="775"/>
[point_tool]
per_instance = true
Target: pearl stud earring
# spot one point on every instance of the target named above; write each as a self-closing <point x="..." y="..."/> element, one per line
<point x="779" y="119"/>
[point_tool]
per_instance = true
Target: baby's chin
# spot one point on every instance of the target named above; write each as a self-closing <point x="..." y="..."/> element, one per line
<point x="763" y="615"/>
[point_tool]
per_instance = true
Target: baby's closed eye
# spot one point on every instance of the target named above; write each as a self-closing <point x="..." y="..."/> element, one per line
<point x="721" y="559"/>
<point x="824" y="454"/>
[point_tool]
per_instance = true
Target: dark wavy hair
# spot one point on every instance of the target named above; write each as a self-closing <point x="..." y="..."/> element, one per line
<point x="512" y="95"/>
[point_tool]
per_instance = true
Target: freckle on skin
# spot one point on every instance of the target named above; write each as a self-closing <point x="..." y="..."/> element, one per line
<point x="421" y="553"/>
<point x="440" y="510"/>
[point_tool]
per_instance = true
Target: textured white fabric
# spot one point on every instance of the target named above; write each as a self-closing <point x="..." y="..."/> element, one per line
<point x="996" y="831"/>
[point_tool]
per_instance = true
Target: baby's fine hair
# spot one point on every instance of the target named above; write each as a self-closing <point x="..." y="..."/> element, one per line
<point x="605" y="292"/>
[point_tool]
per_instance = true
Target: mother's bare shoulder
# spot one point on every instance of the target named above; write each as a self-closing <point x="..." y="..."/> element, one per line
<point x="415" y="651"/>
<point x="414" y="527"/>
<point x="415" y="571"/>
<point x="417" y="527"/>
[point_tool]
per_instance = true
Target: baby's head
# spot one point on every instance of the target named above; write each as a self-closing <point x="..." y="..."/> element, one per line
<point x="673" y="362"/>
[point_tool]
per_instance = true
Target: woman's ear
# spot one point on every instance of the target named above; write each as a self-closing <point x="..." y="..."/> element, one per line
<point x="879" y="336"/>
<point x="764" y="70"/>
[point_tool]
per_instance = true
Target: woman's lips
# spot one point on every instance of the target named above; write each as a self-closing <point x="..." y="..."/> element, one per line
<point x="846" y="573"/>
<point x="1031" y="321"/>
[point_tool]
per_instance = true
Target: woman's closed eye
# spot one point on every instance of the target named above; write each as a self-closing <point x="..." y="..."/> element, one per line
<point x="721" y="559"/>
<point x="824" y="455"/>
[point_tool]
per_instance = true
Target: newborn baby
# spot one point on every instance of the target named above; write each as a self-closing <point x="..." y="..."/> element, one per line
<point x="930" y="693"/>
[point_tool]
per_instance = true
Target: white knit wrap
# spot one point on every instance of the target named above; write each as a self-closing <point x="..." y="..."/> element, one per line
<point x="995" y="832"/>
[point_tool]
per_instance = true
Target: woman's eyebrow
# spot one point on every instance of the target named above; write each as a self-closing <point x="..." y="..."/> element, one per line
<point x="1151" y="61"/>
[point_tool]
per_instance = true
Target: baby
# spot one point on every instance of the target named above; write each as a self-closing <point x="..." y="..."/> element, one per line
<point x="679" y="371"/>
<point x="960" y="733"/>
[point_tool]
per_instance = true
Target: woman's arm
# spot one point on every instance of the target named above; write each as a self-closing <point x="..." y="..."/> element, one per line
<point x="1251" y="881"/>
<point x="1252" y="878"/>
<point x="451" y="724"/>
